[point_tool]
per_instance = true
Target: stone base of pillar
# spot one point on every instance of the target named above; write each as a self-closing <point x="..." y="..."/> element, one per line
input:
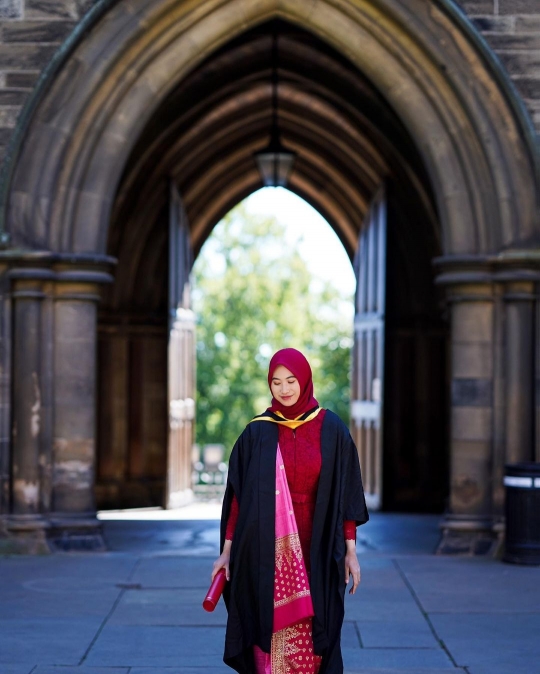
<point x="75" y="533"/>
<point x="31" y="535"/>
<point x="24" y="535"/>
<point x="472" y="536"/>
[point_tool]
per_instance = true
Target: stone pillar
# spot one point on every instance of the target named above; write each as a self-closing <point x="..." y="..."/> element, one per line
<point x="519" y="298"/>
<point x="29" y="461"/>
<point x="467" y="527"/>
<point x="5" y="388"/>
<point x="518" y="276"/>
<point x="537" y="377"/>
<point x="72" y="517"/>
<point x="47" y="394"/>
<point x="493" y="302"/>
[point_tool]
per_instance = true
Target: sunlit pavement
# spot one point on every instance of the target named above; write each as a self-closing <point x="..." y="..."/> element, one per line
<point x="137" y="608"/>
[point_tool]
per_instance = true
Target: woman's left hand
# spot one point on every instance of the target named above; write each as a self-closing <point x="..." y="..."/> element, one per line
<point x="352" y="566"/>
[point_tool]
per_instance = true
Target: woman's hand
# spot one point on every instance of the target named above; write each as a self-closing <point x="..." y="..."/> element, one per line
<point x="352" y="566"/>
<point x="222" y="562"/>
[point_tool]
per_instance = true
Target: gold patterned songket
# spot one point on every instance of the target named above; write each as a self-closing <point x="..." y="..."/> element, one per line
<point x="292" y="650"/>
<point x="291" y="581"/>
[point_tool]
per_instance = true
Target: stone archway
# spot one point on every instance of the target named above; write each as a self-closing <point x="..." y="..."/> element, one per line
<point x="466" y="124"/>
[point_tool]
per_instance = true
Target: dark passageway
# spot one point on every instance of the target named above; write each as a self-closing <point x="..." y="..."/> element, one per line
<point x="348" y="143"/>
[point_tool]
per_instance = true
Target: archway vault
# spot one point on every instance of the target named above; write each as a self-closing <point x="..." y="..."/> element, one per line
<point x="205" y="132"/>
<point x="462" y="119"/>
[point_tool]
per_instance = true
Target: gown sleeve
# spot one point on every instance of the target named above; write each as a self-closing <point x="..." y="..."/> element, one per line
<point x="233" y="518"/>
<point x="349" y="530"/>
<point x="354" y="501"/>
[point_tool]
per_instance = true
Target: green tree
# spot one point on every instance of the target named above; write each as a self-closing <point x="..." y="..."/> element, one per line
<point x="253" y="294"/>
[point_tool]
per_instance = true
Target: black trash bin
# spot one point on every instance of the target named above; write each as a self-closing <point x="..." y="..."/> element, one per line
<point x="522" y="482"/>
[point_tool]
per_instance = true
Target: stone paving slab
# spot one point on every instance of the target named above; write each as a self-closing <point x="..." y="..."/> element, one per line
<point x="397" y="633"/>
<point x="43" y="613"/>
<point x="151" y="646"/>
<point x="412" y="658"/>
<point x="40" y="599"/>
<point x="416" y="670"/>
<point x="350" y="635"/>
<point x="380" y="574"/>
<point x="52" y="641"/>
<point x="397" y="533"/>
<point x="502" y="643"/>
<point x="184" y="538"/>
<point x="80" y="670"/>
<point x="501" y="669"/>
<point x="166" y="607"/>
<point x="182" y="670"/>
<point x="115" y="567"/>
<point x="382" y="588"/>
<point x="381" y="603"/>
<point x="174" y="572"/>
<point x="490" y="586"/>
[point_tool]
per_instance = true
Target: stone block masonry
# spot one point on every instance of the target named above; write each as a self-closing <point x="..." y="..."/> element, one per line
<point x="32" y="30"/>
<point x="512" y="29"/>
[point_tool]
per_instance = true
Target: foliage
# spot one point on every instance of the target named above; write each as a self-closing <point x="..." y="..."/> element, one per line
<point x="253" y="295"/>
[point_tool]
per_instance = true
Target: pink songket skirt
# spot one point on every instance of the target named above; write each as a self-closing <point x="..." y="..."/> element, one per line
<point x="292" y="643"/>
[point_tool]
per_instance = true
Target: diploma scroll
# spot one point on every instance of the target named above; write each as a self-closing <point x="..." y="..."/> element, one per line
<point x="215" y="591"/>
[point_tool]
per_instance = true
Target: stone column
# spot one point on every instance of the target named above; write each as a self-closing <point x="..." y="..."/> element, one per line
<point x="77" y="291"/>
<point x="26" y="524"/>
<point x="467" y="527"/>
<point x="517" y="275"/>
<point x="5" y="388"/>
<point x="519" y="299"/>
<point x="537" y="378"/>
<point x="494" y="360"/>
<point x="47" y="382"/>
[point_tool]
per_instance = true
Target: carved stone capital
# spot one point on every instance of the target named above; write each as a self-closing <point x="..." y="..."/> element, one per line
<point x="467" y="278"/>
<point x="44" y="264"/>
<point x="507" y="266"/>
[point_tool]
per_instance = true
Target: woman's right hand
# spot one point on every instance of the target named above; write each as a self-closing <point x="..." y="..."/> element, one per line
<point x="222" y="562"/>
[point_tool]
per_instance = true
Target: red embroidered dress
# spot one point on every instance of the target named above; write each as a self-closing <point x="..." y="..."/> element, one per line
<point x="301" y="451"/>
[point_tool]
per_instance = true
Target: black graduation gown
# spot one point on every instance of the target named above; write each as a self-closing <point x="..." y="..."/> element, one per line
<point x="249" y="595"/>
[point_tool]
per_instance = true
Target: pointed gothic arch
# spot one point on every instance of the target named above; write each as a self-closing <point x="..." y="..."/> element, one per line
<point x="465" y="119"/>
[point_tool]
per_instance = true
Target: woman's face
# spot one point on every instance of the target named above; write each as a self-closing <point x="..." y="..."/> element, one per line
<point x="285" y="386"/>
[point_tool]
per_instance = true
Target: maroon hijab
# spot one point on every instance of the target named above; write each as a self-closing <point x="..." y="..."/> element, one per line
<point x="297" y="363"/>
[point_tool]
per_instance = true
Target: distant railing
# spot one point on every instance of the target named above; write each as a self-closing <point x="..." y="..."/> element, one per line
<point x="209" y="472"/>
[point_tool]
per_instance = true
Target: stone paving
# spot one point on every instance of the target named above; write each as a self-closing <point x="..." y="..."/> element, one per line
<point x="137" y="608"/>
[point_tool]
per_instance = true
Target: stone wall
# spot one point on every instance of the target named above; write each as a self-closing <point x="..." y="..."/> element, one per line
<point x="512" y="29"/>
<point x="32" y="30"/>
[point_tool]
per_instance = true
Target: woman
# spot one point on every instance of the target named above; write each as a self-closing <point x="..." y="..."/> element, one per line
<point x="288" y="531"/>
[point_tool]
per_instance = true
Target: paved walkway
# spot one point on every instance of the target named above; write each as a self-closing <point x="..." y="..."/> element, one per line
<point x="137" y="609"/>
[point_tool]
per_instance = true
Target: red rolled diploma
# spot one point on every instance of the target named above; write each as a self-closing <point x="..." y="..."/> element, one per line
<point x="215" y="591"/>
